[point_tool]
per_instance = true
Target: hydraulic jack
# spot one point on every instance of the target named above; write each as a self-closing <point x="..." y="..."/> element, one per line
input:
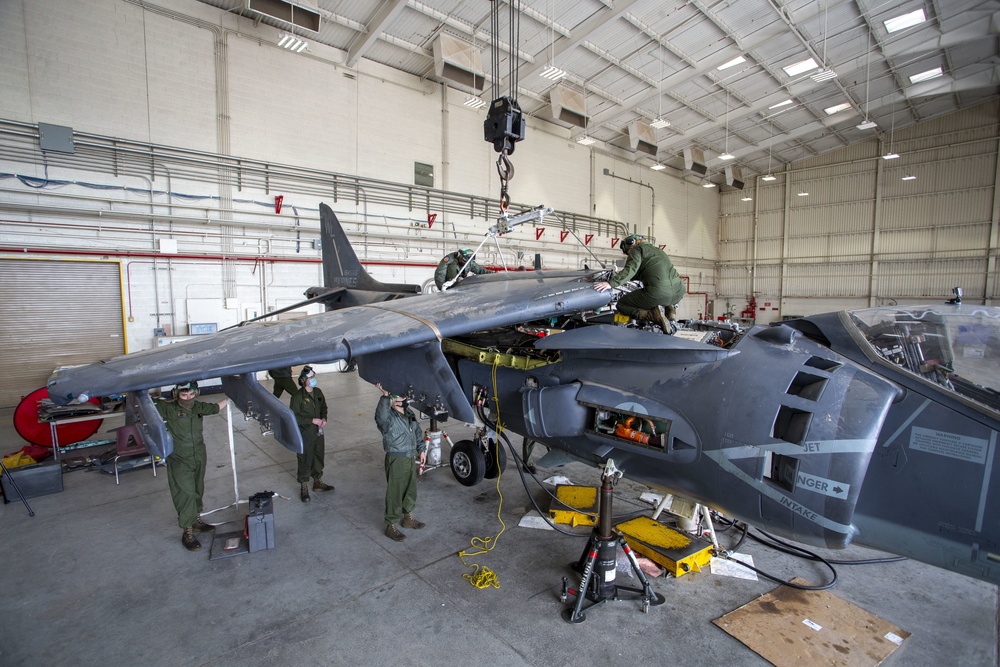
<point x="598" y="562"/>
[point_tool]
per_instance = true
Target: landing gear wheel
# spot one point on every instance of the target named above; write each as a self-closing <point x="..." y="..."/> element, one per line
<point x="495" y="450"/>
<point x="468" y="464"/>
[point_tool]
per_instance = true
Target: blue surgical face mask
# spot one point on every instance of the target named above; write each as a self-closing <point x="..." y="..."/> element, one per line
<point x="312" y="382"/>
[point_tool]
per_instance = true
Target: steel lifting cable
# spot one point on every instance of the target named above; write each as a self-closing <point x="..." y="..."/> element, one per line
<point x="505" y="124"/>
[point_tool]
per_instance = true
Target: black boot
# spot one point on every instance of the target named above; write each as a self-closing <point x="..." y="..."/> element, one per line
<point x="202" y="527"/>
<point x="304" y="492"/>
<point x="319" y="485"/>
<point x="189" y="541"/>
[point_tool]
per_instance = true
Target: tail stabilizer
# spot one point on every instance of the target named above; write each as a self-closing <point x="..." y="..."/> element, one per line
<point x="341" y="266"/>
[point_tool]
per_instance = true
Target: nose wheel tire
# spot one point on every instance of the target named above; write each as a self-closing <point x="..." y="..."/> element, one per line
<point x="468" y="464"/>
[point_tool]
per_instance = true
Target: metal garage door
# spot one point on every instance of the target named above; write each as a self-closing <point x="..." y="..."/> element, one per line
<point x="55" y="313"/>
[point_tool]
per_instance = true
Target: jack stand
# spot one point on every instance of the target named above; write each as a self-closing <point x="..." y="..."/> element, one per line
<point x="599" y="560"/>
<point x="432" y="439"/>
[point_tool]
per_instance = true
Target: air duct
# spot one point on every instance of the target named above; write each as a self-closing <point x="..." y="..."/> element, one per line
<point x="734" y="177"/>
<point x="458" y="62"/>
<point x="302" y="13"/>
<point x="694" y="161"/>
<point x="568" y="105"/>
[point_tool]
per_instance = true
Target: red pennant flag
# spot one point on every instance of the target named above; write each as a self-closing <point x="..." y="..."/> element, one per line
<point x="563" y="235"/>
<point x="615" y="241"/>
<point x="431" y="217"/>
<point x="538" y="232"/>
<point x="663" y="246"/>
<point x="277" y="203"/>
<point x="587" y="238"/>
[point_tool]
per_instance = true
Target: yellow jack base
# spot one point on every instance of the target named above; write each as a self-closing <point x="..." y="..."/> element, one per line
<point x="574" y="505"/>
<point x="678" y="552"/>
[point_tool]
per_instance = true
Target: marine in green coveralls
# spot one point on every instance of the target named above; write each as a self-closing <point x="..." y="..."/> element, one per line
<point x="662" y="285"/>
<point x="186" y="464"/>
<point x="447" y="268"/>
<point x="283" y="381"/>
<point x="402" y="440"/>
<point x="309" y="406"/>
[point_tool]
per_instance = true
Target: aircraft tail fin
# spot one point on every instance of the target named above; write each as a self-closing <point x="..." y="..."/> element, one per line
<point x="341" y="266"/>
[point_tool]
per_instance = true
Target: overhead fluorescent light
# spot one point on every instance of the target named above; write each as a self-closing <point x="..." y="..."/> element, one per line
<point x="769" y="177"/>
<point x="908" y="178"/>
<point x="904" y="21"/>
<point x="732" y="63"/>
<point x="800" y="67"/>
<point x="552" y="73"/>
<point x="708" y="185"/>
<point x="840" y="107"/>
<point x="746" y="198"/>
<point x="586" y="141"/>
<point x="924" y="76"/>
<point x="867" y="125"/>
<point x="890" y="156"/>
<point x="803" y="194"/>
<point x="727" y="156"/>
<point x="824" y="75"/>
<point x="474" y="102"/>
<point x="780" y="104"/>
<point x="292" y="43"/>
<point x="660" y="123"/>
<point x="658" y="167"/>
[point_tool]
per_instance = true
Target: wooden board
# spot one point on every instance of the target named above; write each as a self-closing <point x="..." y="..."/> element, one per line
<point x="791" y="627"/>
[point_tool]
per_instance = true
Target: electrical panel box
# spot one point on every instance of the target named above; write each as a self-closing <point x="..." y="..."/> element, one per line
<point x="260" y="523"/>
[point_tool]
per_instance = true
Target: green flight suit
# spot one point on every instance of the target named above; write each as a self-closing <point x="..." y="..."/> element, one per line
<point x="448" y="268"/>
<point x="309" y="405"/>
<point x="662" y="285"/>
<point x="186" y="464"/>
<point x="402" y="440"/>
<point x="283" y="381"/>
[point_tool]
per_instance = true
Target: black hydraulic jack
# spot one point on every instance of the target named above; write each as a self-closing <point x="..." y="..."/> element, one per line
<point x="598" y="563"/>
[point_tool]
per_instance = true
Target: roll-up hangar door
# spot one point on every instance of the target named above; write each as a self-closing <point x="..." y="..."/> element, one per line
<point x="55" y="313"/>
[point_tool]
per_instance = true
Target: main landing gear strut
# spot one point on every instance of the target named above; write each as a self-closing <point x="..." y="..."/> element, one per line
<point x="598" y="562"/>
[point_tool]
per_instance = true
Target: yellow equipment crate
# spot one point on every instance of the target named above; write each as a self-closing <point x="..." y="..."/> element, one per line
<point x="678" y="552"/>
<point x="572" y="505"/>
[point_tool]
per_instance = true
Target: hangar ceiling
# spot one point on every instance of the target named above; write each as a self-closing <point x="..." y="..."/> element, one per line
<point x="719" y="72"/>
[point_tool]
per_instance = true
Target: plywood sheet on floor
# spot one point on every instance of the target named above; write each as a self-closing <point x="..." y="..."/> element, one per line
<point x="792" y="627"/>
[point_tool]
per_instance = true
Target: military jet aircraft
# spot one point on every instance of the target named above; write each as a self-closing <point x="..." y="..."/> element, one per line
<point x="875" y="426"/>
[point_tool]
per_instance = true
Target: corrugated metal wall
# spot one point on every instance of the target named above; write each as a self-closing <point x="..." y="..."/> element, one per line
<point x="859" y="231"/>
<point x="55" y="313"/>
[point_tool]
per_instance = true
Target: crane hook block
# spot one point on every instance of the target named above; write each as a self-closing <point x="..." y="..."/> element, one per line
<point x="504" y="124"/>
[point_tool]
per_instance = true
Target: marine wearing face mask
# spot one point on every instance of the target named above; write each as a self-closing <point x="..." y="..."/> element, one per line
<point x="310" y="409"/>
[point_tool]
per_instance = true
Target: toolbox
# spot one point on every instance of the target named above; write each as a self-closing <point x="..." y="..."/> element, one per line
<point x="33" y="480"/>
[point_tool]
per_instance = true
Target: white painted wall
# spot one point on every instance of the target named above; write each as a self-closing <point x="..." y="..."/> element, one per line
<point x="180" y="74"/>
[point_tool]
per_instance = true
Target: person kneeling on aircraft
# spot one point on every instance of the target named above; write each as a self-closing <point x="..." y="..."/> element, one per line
<point x="403" y="441"/>
<point x="662" y="285"/>
<point x="450" y="265"/>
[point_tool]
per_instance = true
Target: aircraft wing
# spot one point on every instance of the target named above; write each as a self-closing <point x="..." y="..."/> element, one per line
<point x="368" y="333"/>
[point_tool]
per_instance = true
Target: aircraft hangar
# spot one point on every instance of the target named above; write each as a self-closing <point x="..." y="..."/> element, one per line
<point x="191" y="179"/>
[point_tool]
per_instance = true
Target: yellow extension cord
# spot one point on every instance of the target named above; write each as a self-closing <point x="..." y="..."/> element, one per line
<point x="482" y="576"/>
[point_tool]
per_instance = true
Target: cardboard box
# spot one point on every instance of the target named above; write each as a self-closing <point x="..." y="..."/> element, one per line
<point x="35" y="480"/>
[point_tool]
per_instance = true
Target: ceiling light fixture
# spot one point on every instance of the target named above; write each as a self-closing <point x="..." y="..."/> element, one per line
<point x="474" y="102"/>
<point x="660" y="121"/>
<point x="908" y="178"/>
<point x="867" y="124"/>
<point x="727" y="155"/>
<point x="780" y="104"/>
<point x="586" y="141"/>
<point x="924" y="76"/>
<point x="803" y="194"/>
<point x="292" y="43"/>
<point x="889" y="155"/>
<point x="732" y="63"/>
<point x="904" y="21"/>
<point x="708" y="185"/>
<point x="657" y="166"/>
<point x="746" y="198"/>
<point x="770" y="148"/>
<point x="829" y="111"/>
<point x="552" y="73"/>
<point x="826" y="73"/>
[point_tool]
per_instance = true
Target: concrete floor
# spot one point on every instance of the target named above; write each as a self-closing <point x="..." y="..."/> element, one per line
<point x="98" y="575"/>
